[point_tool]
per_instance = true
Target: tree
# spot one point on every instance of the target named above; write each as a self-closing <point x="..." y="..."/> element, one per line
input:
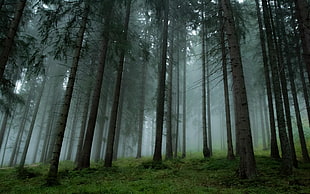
<point x="206" y="151"/>
<point x="84" y="160"/>
<point x="247" y="166"/>
<point x="230" y="150"/>
<point x="285" y="146"/>
<point x="302" y="12"/>
<point x="273" y="144"/>
<point x="8" y="42"/>
<point x="161" y="86"/>
<point x="62" y="122"/>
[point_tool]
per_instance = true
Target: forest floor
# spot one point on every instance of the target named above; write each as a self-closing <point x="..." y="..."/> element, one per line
<point x="191" y="175"/>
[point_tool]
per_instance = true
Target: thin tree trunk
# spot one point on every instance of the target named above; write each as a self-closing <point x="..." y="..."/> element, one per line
<point x="114" y="112"/>
<point x="230" y="150"/>
<point x="21" y="130"/>
<point x="247" y="166"/>
<point x="84" y="160"/>
<point x="119" y="122"/>
<point x="141" y="107"/>
<point x="169" y="151"/>
<point x="279" y="30"/>
<point x="285" y="146"/>
<point x="62" y="122"/>
<point x="71" y="137"/>
<point x="263" y="127"/>
<point x="177" y="102"/>
<point x="206" y="151"/>
<point x="274" y="150"/>
<point x="184" y="99"/>
<point x="9" y="40"/>
<point x="161" y="88"/>
<point x="302" y="75"/>
<point x="33" y="120"/>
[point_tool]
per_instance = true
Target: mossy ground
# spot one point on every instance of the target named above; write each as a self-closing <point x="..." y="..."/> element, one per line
<point x="191" y="175"/>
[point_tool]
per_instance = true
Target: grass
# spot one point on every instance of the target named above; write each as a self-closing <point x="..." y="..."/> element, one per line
<point x="190" y="175"/>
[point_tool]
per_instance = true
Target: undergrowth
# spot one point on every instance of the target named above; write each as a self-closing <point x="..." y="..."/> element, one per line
<point x="191" y="175"/>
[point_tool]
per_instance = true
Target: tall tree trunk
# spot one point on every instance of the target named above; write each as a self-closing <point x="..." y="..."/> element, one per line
<point x="84" y="160"/>
<point x="177" y="102"/>
<point x="113" y="118"/>
<point x="161" y="88"/>
<point x="230" y="150"/>
<point x="247" y="166"/>
<point x="169" y="152"/>
<point x="206" y="151"/>
<point x="262" y="118"/>
<point x="279" y="40"/>
<point x="302" y="75"/>
<point x="274" y="150"/>
<point x="184" y="99"/>
<point x="62" y="122"/>
<point x="285" y="146"/>
<point x="33" y="120"/>
<point x="141" y="107"/>
<point x="302" y="12"/>
<point x="9" y="40"/>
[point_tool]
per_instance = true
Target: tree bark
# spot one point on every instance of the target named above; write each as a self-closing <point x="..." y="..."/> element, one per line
<point x="230" y="150"/>
<point x="247" y="166"/>
<point x="62" y="122"/>
<point x="274" y="150"/>
<point x="9" y="40"/>
<point x="184" y="99"/>
<point x="113" y="119"/>
<point x="84" y="160"/>
<point x="285" y="146"/>
<point x="169" y="152"/>
<point x="206" y="151"/>
<point x="161" y="88"/>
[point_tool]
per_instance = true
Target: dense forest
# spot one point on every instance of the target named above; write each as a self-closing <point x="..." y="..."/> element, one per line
<point x="89" y="81"/>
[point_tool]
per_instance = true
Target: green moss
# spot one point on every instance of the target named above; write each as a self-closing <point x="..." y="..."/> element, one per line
<point x="191" y="175"/>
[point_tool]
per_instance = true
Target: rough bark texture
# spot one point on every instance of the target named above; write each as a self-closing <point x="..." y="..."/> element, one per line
<point x="247" y="166"/>
<point x="161" y="88"/>
<point x="113" y="118"/>
<point x="62" y="122"/>
<point x="8" y="42"/>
